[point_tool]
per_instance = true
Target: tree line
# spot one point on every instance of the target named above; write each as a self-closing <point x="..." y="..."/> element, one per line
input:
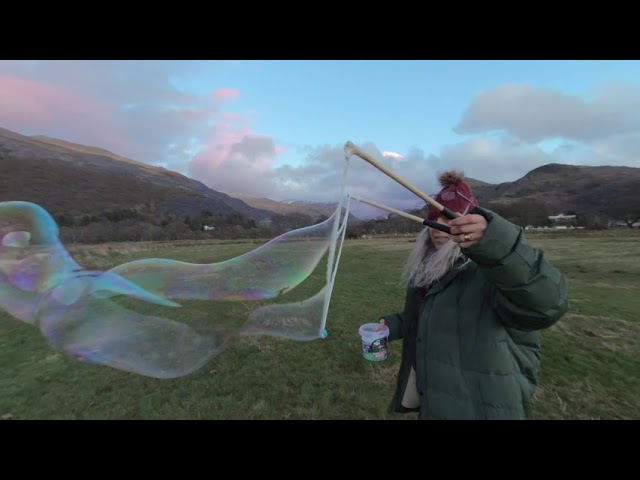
<point x="130" y="225"/>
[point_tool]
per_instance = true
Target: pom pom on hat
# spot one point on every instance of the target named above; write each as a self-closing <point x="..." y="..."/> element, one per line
<point x="456" y="194"/>
<point x="452" y="177"/>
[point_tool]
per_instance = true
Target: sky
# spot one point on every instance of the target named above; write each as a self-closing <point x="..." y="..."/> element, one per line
<point x="277" y="129"/>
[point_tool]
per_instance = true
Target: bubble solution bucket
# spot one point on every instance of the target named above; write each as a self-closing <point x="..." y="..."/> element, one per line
<point x="374" y="341"/>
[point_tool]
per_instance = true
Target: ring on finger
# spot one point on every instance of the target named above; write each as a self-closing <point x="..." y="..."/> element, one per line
<point x="466" y="237"/>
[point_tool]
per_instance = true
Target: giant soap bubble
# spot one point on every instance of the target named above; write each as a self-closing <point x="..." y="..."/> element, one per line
<point x="129" y="317"/>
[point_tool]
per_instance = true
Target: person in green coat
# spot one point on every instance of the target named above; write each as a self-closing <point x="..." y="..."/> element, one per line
<point x="476" y="303"/>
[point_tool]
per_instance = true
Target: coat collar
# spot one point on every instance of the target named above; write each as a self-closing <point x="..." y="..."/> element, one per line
<point x="462" y="264"/>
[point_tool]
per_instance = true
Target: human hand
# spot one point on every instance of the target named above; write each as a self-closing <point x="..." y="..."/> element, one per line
<point x="467" y="230"/>
<point x="382" y="324"/>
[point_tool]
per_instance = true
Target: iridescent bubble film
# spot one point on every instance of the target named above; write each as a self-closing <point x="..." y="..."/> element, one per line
<point x="160" y="317"/>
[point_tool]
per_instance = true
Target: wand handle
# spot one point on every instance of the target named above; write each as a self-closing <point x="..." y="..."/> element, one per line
<point x="351" y="149"/>
<point x="428" y="223"/>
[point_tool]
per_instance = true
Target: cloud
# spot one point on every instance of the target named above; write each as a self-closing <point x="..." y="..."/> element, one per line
<point x="225" y="94"/>
<point x="601" y="131"/>
<point x="392" y="155"/>
<point x="145" y="111"/>
<point x="321" y="175"/>
<point x="134" y="109"/>
<point x="30" y="106"/>
<point x="248" y="163"/>
<point x="504" y="159"/>
<point x="115" y="82"/>
<point x="236" y="161"/>
<point x="139" y="110"/>
<point x="534" y="114"/>
<point x="617" y="150"/>
<point x="492" y="160"/>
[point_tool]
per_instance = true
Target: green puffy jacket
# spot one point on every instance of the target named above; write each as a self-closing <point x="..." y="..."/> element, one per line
<point x="478" y="336"/>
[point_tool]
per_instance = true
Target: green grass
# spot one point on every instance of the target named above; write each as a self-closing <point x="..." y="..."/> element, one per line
<point x="590" y="366"/>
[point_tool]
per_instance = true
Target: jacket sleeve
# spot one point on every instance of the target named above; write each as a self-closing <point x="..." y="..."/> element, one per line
<point x="530" y="293"/>
<point x="397" y="322"/>
<point x="394" y="321"/>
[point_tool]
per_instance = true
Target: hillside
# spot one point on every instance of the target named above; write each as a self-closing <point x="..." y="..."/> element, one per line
<point x="599" y="197"/>
<point x="315" y="210"/>
<point x="283" y="208"/>
<point x="97" y="196"/>
<point x="603" y="192"/>
<point x="92" y="188"/>
<point x="70" y="179"/>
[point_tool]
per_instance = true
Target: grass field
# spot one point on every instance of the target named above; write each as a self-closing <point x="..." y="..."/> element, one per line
<point x="590" y="367"/>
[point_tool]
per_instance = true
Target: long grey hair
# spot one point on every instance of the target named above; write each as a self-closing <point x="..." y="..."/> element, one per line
<point x="426" y="263"/>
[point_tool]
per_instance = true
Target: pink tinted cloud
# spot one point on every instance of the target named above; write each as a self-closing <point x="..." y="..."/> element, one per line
<point x="236" y="160"/>
<point x="26" y="105"/>
<point x="30" y="104"/>
<point x="143" y="118"/>
<point x="218" y="148"/>
<point x="225" y="95"/>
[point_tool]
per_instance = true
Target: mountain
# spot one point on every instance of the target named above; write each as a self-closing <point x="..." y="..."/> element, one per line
<point x="599" y="196"/>
<point x="283" y="208"/>
<point x="71" y="179"/>
<point x="603" y="190"/>
<point x="315" y="210"/>
<point x="323" y="208"/>
<point x="474" y="184"/>
<point x="79" y="183"/>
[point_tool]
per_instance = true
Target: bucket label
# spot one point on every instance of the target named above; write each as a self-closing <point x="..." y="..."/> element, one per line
<point x="377" y="350"/>
<point x="374" y="341"/>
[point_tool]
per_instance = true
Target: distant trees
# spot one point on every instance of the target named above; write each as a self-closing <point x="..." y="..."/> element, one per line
<point x="624" y="205"/>
<point x="140" y="224"/>
<point x="132" y="225"/>
<point x="523" y="212"/>
<point x="65" y="220"/>
<point x="392" y="224"/>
